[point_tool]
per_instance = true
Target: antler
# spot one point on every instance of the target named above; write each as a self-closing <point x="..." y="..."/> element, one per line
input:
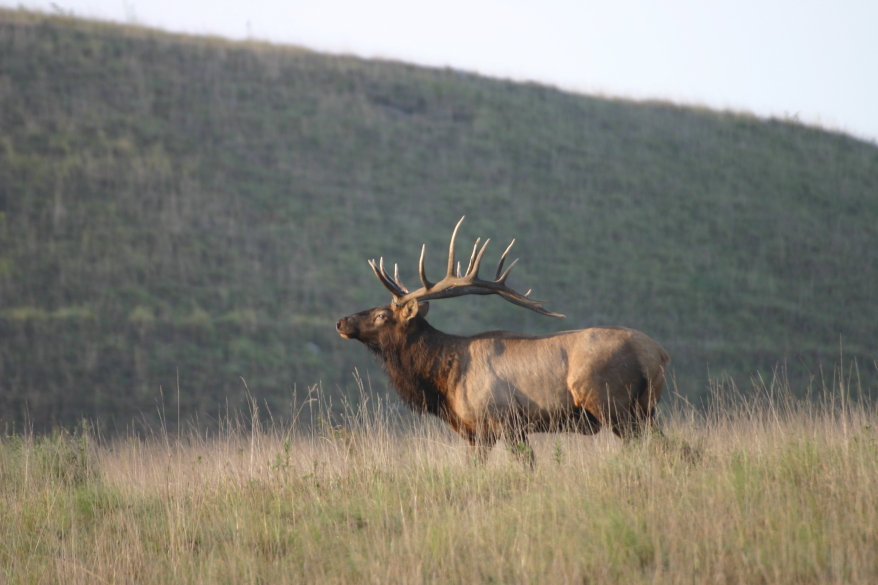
<point x="456" y="285"/>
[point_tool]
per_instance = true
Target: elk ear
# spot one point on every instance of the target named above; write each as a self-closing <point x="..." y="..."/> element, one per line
<point x="423" y="309"/>
<point x="409" y="310"/>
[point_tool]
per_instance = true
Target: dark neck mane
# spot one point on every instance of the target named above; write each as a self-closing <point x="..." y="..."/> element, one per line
<point x="421" y="368"/>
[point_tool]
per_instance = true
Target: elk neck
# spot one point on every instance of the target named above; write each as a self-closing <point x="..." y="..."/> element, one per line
<point x="423" y="367"/>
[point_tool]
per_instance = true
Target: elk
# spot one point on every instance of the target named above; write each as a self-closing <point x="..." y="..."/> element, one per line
<point x="502" y="384"/>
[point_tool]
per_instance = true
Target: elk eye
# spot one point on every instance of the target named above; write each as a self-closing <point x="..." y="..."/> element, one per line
<point x="380" y="317"/>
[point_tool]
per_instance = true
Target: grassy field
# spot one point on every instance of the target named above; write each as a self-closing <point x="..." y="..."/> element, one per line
<point x="758" y="489"/>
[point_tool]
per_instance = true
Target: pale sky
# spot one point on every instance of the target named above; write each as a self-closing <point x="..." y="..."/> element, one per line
<point x="814" y="61"/>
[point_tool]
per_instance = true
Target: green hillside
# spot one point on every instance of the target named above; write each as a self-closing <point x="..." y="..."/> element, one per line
<point x="195" y="209"/>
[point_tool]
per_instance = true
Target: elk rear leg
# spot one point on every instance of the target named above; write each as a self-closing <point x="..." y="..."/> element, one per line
<point x="639" y="423"/>
<point x="585" y="422"/>
<point x="643" y="409"/>
<point x="628" y="429"/>
<point x="639" y="418"/>
<point x="634" y="424"/>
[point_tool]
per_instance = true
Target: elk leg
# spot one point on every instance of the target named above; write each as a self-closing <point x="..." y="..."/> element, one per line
<point x="519" y="446"/>
<point x="586" y="423"/>
<point x="638" y="424"/>
<point x="627" y="429"/>
<point x="480" y="447"/>
<point x="625" y="422"/>
<point x="644" y="406"/>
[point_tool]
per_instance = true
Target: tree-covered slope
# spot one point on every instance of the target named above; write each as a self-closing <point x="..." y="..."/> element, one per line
<point x="196" y="209"/>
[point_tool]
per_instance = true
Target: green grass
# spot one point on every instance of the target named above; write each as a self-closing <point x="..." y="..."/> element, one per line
<point x="190" y="209"/>
<point x="758" y="489"/>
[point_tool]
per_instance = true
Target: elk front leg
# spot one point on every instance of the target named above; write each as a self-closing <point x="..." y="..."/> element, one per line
<point x="481" y="439"/>
<point x="519" y="446"/>
<point x="480" y="447"/>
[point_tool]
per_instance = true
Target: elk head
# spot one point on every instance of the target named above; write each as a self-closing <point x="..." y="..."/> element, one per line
<point x="378" y="327"/>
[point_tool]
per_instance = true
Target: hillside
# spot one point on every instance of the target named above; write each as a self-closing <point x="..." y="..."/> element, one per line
<point x="177" y="213"/>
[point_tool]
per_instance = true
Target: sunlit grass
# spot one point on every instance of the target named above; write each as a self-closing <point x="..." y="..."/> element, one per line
<point x="762" y="489"/>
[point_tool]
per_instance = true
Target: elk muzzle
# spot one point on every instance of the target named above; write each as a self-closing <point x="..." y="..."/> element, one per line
<point x="345" y="328"/>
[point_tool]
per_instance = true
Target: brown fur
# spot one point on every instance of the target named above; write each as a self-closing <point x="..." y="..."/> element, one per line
<point x="505" y="384"/>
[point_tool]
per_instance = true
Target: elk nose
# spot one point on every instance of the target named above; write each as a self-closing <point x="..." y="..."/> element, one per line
<point x="338" y="325"/>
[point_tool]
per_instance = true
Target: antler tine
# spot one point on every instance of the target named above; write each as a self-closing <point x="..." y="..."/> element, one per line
<point x="502" y="260"/>
<point x="503" y="277"/>
<point x="472" y="257"/>
<point x="532" y="305"/>
<point x="478" y="262"/>
<point x="378" y="269"/>
<point x="450" y="271"/>
<point x="421" y="271"/>
<point x="397" y="280"/>
<point x="386" y="276"/>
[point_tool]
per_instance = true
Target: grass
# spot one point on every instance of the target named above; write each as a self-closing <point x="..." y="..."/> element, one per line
<point x="762" y="488"/>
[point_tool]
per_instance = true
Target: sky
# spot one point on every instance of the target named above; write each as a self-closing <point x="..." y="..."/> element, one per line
<point x="815" y="62"/>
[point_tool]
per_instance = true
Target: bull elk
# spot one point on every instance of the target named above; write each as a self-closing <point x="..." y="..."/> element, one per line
<point x="505" y="384"/>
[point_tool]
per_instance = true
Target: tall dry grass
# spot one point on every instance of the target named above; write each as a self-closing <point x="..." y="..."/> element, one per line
<point x="760" y="488"/>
